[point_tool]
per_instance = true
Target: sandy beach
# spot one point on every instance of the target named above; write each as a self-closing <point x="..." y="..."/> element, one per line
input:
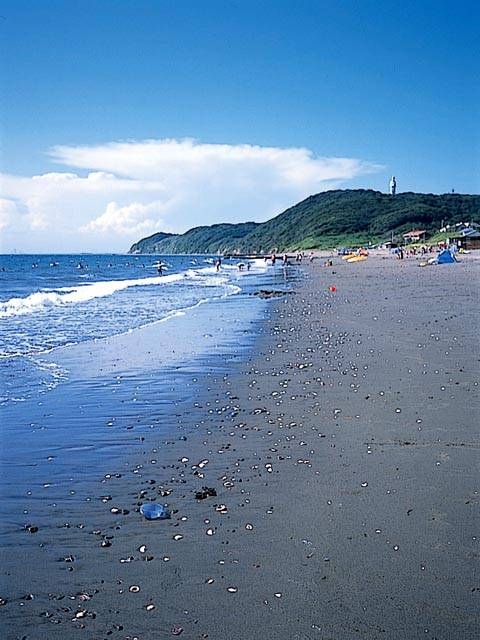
<point x="343" y="447"/>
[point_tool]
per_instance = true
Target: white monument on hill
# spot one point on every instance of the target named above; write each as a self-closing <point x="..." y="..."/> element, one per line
<point x="393" y="186"/>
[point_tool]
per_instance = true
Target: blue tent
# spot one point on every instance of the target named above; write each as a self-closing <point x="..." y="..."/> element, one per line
<point x="445" y="257"/>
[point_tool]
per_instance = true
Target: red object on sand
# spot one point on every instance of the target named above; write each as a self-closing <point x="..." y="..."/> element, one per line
<point x="332" y="288"/>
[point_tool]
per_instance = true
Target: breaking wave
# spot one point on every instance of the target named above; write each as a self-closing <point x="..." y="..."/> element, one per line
<point x="43" y="299"/>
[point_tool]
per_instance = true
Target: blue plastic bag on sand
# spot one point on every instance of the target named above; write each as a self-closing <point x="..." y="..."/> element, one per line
<point x="153" y="511"/>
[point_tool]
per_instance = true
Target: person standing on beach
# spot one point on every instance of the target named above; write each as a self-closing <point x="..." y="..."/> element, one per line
<point x="218" y="264"/>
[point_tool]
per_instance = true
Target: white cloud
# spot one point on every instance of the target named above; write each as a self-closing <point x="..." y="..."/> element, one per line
<point x="128" y="220"/>
<point x="135" y="188"/>
<point x="8" y="213"/>
<point x="181" y="161"/>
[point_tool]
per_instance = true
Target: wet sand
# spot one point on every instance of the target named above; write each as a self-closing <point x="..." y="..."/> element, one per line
<point x="344" y="450"/>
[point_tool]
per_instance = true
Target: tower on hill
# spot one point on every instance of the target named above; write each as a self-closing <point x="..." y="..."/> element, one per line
<point x="393" y="186"/>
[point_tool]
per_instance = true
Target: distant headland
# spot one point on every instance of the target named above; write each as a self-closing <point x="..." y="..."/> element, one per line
<point x="324" y="220"/>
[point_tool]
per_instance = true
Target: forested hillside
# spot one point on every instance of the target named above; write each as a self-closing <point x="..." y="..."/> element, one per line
<point x="323" y="220"/>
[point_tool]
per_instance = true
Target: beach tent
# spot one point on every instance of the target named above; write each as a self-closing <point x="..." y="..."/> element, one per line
<point x="445" y="257"/>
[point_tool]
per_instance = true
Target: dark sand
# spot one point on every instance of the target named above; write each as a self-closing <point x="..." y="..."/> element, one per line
<point x="345" y="451"/>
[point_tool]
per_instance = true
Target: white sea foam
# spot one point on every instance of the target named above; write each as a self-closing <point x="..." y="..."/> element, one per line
<point x="44" y="299"/>
<point x="256" y="265"/>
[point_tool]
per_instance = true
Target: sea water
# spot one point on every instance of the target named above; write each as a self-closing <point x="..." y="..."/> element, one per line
<point x="98" y="350"/>
<point x="47" y="302"/>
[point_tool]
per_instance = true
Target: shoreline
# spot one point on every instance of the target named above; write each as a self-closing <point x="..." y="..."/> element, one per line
<point x="88" y="419"/>
<point x="343" y="446"/>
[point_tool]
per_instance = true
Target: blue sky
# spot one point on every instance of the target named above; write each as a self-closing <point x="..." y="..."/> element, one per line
<point x="391" y="87"/>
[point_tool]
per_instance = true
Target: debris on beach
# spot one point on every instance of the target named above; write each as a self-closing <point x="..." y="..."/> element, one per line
<point x="200" y="465"/>
<point x="221" y="508"/>
<point x="68" y="558"/>
<point x="206" y="492"/>
<point x="259" y="410"/>
<point x="265" y="294"/>
<point x="154" y="511"/>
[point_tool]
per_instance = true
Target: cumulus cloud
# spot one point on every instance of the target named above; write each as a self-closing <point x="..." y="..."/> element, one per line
<point x="125" y="221"/>
<point x="181" y="161"/>
<point x="8" y="213"/>
<point x="133" y="188"/>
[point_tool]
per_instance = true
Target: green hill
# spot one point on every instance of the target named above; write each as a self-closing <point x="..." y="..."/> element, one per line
<point x="151" y="244"/>
<point x="324" y="220"/>
<point x="217" y="238"/>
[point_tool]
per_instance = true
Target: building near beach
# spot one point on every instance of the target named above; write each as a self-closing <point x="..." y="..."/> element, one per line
<point x="467" y="239"/>
<point x="416" y="235"/>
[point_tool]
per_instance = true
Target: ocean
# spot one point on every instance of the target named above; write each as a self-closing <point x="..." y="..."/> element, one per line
<point x="47" y="302"/>
<point x="96" y="349"/>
